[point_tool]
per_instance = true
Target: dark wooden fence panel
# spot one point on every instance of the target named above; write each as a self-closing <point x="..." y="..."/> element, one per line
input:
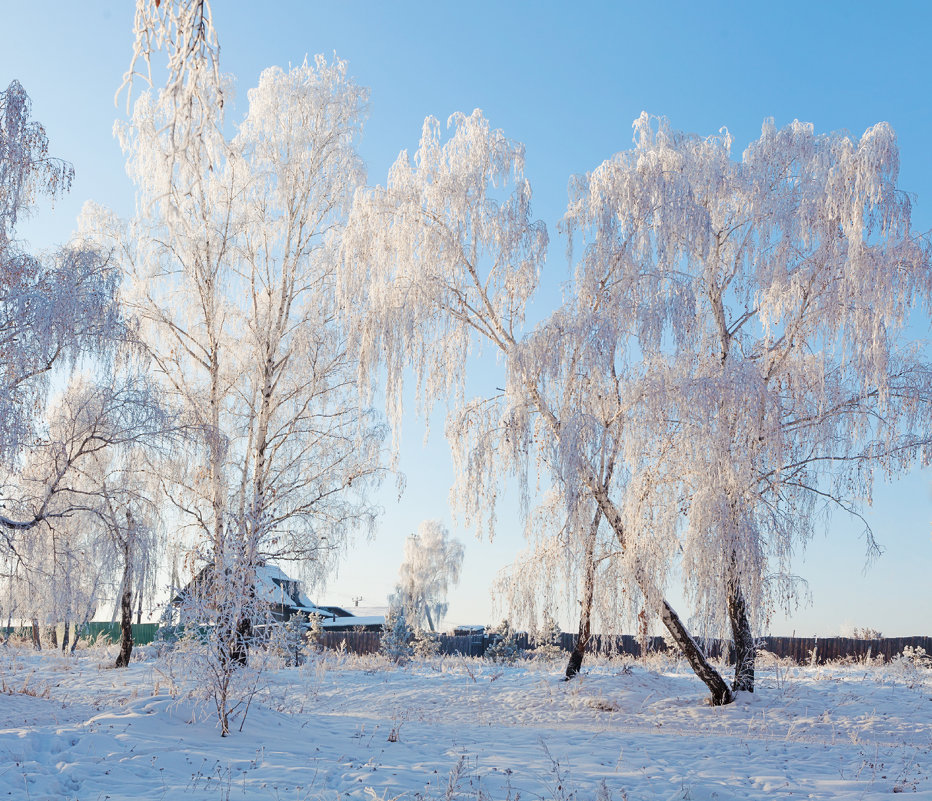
<point x="800" y="649"/>
<point x="824" y="649"/>
<point x="357" y="642"/>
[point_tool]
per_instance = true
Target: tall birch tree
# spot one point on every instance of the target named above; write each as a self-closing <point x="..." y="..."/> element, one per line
<point x="431" y="563"/>
<point x="231" y="275"/>
<point x="768" y="296"/>
<point x="447" y="256"/>
<point x="54" y="307"/>
<point x="729" y="356"/>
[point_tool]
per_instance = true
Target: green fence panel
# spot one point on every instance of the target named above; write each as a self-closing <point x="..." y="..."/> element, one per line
<point x="143" y="633"/>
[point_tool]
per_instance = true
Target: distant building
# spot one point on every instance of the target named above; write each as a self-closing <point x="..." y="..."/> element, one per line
<point x="285" y="598"/>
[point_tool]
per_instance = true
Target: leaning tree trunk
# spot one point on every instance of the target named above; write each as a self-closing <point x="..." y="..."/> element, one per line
<point x="718" y="687"/>
<point x="574" y="664"/>
<point x="720" y="691"/>
<point x="82" y="629"/>
<point x="743" y="638"/>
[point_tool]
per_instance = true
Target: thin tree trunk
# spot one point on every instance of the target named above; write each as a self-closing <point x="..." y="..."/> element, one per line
<point x="743" y="638"/>
<point x="574" y="665"/>
<point x="65" y="639"/>
<point x="126" y="628"/>
<point x="139" y="609"/>
<point x="36" y="641"/>
<point x="126" y="599"/>
<point x="74" y="642"/>
<point x="140" y="582"/>
<point x="430" y="620"/>
<point x="53" y="635"/>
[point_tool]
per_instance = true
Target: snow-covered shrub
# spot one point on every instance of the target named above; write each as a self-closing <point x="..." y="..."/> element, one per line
<point x="425" y="643"/>
<point x="290" y="639"/>
<point x="194" y="669"/>
<point x="314" y="637"/>
<point x="913" y="666"/>
<point x="396" y="637"/>
<point x="547" y="639"/>
<point x="504" y="643"/>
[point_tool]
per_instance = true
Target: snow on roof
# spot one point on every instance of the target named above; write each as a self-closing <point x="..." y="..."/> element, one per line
<point x="369" y="611"/>
<point x="274" y="587"/>
<point x="369" y="620"/>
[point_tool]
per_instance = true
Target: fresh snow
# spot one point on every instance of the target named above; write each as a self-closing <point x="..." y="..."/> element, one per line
<point x="345" y="727"/>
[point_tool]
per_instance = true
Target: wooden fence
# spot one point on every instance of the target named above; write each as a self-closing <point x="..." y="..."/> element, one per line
<point x="800" y="649"/>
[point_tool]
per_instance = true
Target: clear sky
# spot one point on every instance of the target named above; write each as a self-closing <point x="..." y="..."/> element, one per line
<point x="566" y="79"/>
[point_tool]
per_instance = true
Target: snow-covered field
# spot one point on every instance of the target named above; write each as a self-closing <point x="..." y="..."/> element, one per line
<point x="345" y="727"/>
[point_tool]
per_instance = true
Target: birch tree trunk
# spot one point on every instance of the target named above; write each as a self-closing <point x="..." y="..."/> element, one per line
<point x="743" y="638"/>
<point x="430" y="620"/>
<point x="718" y="687"/>
<point x="585" y="611"/>
<point x="721" y="693"/>
<point x="126" y="629"/>
<point x="126" y="598"/>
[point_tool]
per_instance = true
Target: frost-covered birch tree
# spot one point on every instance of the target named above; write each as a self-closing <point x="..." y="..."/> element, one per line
<point x="446" y="257"/>
<point x="232" y="279"/>
<point x="310" y="450"/>
<point x="231" y="275"/>
<point x="95" y="468"/>
<point x="54" y="307"/>
<point x="431" y="563"/>
<point x="768" y="296"/>
<point x="717" y="303"/>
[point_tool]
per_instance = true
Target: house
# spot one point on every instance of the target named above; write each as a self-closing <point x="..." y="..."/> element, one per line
<point x="285" y="598"/>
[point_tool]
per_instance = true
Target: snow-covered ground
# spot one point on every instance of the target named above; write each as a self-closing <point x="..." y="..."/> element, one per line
<point x="344" y="727"/>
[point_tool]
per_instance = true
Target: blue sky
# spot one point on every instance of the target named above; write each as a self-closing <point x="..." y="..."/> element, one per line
<point x="567" y="80"/>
